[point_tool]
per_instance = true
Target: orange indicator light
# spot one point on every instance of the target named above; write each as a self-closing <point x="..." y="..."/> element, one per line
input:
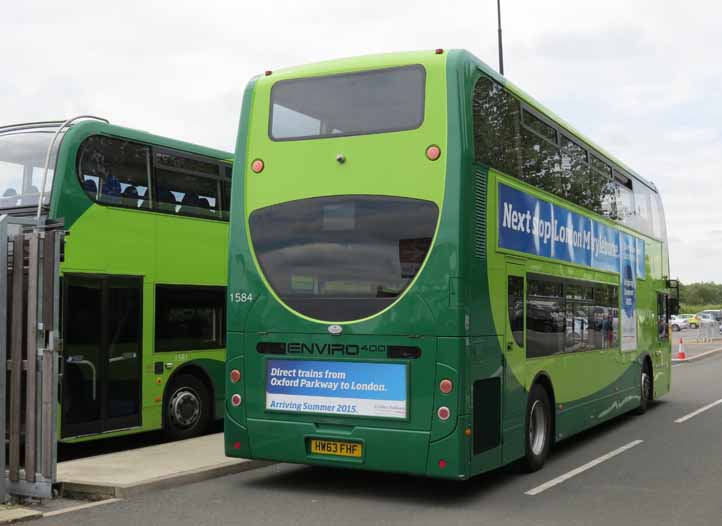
<point x="257" y="166"/>
<point x="433" y="152"/>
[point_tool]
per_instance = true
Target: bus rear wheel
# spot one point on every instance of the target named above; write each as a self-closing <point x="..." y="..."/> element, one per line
<point x="645" y="389"/>
<point x="538" y="429"/>
<point x="187" y="408"/>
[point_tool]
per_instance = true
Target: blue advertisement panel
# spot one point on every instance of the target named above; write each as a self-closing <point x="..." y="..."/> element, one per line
<point x="538" y="227"/>
<point x="339" y="388"/>
<point x="629" y="293"/>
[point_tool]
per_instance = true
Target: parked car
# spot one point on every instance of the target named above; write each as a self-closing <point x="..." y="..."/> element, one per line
<point x="705" y="317"/>
<point x="692" y="320"/>
<point x="716" y="314"/>
<point x="678" y="323"/>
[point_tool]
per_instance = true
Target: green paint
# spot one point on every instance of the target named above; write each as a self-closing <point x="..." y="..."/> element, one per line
<point x="160" y="248"/>
<point x="455" y="309"/>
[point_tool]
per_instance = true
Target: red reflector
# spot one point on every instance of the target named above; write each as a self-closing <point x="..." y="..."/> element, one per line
<point x="442" y="463"/>
<point x="235" y="376"/>
<point x="268" y="72"/>
<point x="236" y="445"/>
<point x="257" y="166"/>
<point x="443" y="413"/>
<point x="236" y="400"/>
<point x="433" y="152"/>
<point x="438" y="51"/>
<point x="446" y="386"/>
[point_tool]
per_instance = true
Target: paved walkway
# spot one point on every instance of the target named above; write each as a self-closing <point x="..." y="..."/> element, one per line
<point x="128" y="472"/>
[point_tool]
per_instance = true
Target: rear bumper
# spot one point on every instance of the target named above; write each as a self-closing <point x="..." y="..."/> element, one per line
<point x="398" y="451"/>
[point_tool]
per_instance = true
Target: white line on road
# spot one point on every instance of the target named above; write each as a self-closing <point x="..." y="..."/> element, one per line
<point x="698" y="411"/>
<point x="581" y="469"/>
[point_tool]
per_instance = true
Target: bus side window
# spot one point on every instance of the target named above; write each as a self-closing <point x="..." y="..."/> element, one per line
<point x="516" y="308"/>
<point x="662" y="317"/>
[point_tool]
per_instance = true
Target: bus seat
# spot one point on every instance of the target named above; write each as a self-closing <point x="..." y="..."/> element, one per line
<point x="90" y="187"/>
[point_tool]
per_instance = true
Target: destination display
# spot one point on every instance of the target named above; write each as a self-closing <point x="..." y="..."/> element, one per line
<point x="338" y="388"/>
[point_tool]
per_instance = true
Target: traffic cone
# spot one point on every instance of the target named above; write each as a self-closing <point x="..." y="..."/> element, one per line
<point x="681" y="355"/>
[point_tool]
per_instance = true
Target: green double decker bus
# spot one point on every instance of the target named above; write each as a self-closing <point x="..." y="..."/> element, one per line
<point x="143" y="293"/>
<point x="430" y="273"/>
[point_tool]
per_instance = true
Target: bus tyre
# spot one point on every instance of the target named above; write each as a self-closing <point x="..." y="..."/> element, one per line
<point x="645" y="389"/>
<point x="538" y="429"/>
<point x="187" y="407"/>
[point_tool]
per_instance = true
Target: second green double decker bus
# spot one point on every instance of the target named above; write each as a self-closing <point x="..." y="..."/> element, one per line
<point x="430" y="273"/>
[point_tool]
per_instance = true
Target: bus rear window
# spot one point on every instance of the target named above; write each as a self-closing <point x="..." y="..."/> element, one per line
<point x="377" y="101"/>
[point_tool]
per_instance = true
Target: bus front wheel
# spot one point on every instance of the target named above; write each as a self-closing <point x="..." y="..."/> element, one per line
<point x="187" y="407"/>
<point x="538" y="429"/>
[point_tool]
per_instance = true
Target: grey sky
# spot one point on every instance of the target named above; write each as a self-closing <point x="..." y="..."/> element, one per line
<point x="642" y="78"/>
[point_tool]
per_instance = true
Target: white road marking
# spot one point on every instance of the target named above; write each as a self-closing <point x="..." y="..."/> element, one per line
<point x="79" y="507"/>
<point x="698" y="411"/>
<point x="589" y="465"/>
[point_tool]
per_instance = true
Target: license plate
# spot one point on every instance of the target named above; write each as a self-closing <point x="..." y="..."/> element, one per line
<point x="336" y="448"/>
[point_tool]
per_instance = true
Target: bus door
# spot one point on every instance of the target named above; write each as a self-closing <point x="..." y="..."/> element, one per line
<point x="101" y="384"/>
<point x="514" y="404"/>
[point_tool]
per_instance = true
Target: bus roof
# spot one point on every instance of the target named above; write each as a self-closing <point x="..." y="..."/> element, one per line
<point x="121" y="131"/>
<point x="461" y="57"/>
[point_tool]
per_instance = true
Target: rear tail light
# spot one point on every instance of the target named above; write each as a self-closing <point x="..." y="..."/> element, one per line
<point x="235" y="376"/>
<point x="446" y="386"/>
<point x="443" y="413"/>
<point x="236" y="445"/>
<point x="236" y="400"/>
<point x="442" y="463"/>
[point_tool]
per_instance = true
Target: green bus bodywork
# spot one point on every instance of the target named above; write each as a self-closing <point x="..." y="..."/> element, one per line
<point x="454" y="310"/>
<point x="159" y="248"/>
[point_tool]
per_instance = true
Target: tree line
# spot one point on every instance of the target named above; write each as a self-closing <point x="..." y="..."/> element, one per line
<point x="702" y="293"/>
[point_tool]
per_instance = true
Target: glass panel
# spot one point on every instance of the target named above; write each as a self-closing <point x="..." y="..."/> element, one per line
<point x="540" y="127"/>
<point x="226" y="195"/>
<point x="542" y="164"/>
<point x="124" y="357"/>
<point x="516" y="308"/>
<point x="342" y="258"/>
<point x="576" y="173"/>
<point x="601" y="167"/>
<point x="643" y="202"/>
<point x="352" y="104"/>
<point x="188" y="318"/>
<point x="81" y="353"/>
<point x="625" y="205"/>
<point x="662" y="317"/>
<point x="584" y="317"/>
<point x="114" y="171"/>
<point x="497" y="142"/>
<point x="183" y="193"/>
<point x="22" y="162"/>
<point x="545" y="318"/>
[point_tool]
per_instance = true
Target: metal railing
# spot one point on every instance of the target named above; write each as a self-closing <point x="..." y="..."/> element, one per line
<point x="708" y="330"/>
<point x="30" y="252"/>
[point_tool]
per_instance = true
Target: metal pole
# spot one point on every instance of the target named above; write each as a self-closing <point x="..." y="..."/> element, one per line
<point x="501" y="48"/>
<point x="3" y="349"/>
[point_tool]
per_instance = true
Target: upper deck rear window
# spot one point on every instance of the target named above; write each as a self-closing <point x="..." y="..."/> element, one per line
<point x="377" y="101"/>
